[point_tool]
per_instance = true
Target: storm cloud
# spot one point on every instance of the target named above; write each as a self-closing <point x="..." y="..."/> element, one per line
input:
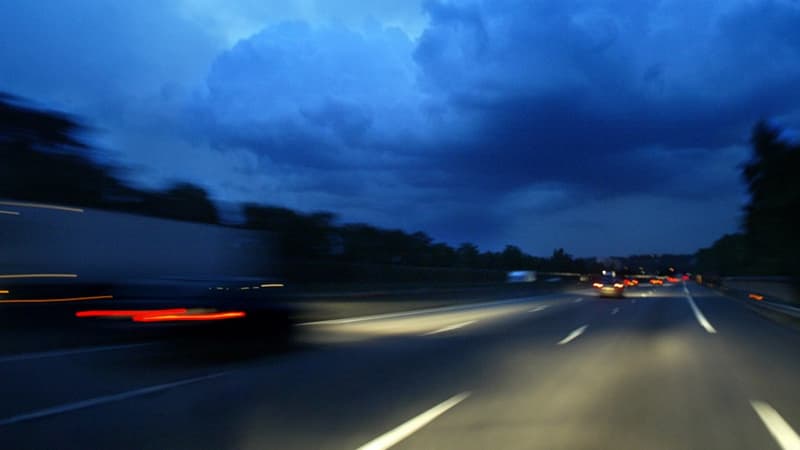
<point x="604" y="127"/>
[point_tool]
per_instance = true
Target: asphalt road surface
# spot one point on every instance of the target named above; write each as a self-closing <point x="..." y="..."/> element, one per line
<point x="665" y="367"/>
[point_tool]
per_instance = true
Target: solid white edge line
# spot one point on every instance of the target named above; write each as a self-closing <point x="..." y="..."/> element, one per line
<point x="418" y="312"/>
<point x="783" y="433"/>
<point x="405" y="430"/>
<point x="74" y="406"/>
<point x="538" y="308"/>
<point x="701" y="319"/>
<point x="450" y="327"/>
<point x="573" y="335"/>
<point x="40" y="205"/>
<point x="74" y="351"/>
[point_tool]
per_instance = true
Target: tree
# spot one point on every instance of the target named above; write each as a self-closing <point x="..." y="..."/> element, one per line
<point x="727" y="256"/>
<point x="512" y="258"/>
<point x="443" y="255"/>
<point x="560" y="261"/>
<point x="43" y="159"/>
<point x="771" y="221"/>
<point x="300" y="236"/>
<point x="183" y="201"/>
<point x="468" y="255"/>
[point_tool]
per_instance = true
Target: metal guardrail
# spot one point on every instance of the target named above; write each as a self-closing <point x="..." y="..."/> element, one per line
<point x="774" y="293"/>
<point x="781" y="308"/>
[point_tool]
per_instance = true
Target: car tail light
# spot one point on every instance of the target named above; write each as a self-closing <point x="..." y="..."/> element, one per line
<point x="618" y="285"/>
<point x="597" y="285"/>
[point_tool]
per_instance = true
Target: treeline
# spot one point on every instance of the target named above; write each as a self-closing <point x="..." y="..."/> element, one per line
<point x="317" y="236"/>
<point x="45" y="160"/>
<point x="768" y="244"/>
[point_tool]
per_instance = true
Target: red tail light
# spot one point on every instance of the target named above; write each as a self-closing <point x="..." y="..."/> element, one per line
<point x="128" y="312"/>
<point x="189" y="317"/>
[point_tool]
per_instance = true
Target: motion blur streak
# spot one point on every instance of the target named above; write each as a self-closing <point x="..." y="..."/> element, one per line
<point x="39" y="275"/>
<point x="272" y="285"/>
<point x="128" y="312"/>
<point x="3" y="291"/>
<point x="42" y="205"/>
<point x="58" y="300"/>
<point x="756" y="297"/>
<point x="179" y="317"/>
<point x="10" y="213"/>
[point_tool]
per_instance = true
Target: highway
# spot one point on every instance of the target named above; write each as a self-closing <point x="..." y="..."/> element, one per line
<point x="676" y="366"/>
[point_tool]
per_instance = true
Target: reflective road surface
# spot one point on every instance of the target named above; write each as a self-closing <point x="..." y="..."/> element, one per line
<point x="665" y="367"/>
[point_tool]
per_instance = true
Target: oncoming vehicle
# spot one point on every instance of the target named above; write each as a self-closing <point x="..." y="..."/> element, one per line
<point x="609" y="286"/>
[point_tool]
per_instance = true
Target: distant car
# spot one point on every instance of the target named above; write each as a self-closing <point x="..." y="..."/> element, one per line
<point x="609" y="286"/>
<point x="656" y="281"/>
<point x="521" y="276"/>
<point x="630" y="282"/>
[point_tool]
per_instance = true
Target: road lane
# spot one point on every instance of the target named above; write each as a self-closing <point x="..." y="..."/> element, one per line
<point x="758" y="350"/>
<point x="647" y="376"/>
<point x="39" y="381"/>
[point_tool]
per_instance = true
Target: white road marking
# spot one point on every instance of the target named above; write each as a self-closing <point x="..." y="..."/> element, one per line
<point x="69" y="407"/>
<point x="40" y="205"/>
<point x="405" y="430"/>
<point x="572" y="336"/>
<point x="538" y="308"/>
<point x="74" y="351"/>
<point x="783" y="433"/>
<point x="450" y="327"/>
<point x="421" y="312"/>
<point x="701" y="319"/>
<point x="614" y="311"/>
<point x="578" y="300"/>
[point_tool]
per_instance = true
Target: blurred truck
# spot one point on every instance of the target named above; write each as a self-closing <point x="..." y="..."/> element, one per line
<point x="78" y="251"/>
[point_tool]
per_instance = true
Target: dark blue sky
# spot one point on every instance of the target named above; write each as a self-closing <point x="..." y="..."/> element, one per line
<point x="605" y="127"/>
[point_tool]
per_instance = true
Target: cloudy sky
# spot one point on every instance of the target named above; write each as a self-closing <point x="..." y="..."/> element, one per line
<point x="605" y="127"/>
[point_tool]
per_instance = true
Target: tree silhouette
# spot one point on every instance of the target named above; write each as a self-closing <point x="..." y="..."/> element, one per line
<point x="771" y="221"/>
<point x="182" y="201"/>
<point x="44" y="160"/>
